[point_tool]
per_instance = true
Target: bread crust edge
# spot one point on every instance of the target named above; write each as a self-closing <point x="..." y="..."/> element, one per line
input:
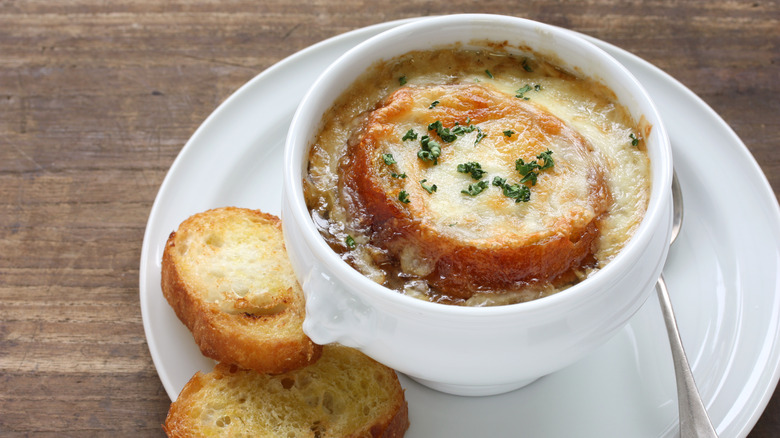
<point x="224" y="337"/>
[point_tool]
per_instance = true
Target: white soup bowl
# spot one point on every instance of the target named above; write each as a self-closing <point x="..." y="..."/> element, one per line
<point x="472" y="350"/>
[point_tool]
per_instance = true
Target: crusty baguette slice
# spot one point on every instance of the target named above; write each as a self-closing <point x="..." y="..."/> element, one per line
<point x="226" y="274"/>
<point x="462" y="244"/>
<point x="344" y="394"/>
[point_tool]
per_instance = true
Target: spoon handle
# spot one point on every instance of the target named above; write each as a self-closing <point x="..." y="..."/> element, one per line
<point x="694" y="421"/>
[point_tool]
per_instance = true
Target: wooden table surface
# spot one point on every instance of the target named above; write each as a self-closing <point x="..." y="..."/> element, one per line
<point x="97" y="99"/>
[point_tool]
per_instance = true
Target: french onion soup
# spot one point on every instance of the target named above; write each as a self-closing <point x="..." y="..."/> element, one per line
<point x="477" y="177"/>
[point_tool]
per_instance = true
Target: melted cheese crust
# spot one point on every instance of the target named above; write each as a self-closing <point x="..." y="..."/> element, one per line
<point x="566" y="197"/>
<point x="484" y="249"/>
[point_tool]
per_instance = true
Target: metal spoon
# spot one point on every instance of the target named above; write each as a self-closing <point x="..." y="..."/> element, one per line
<point x="694" y="421"/>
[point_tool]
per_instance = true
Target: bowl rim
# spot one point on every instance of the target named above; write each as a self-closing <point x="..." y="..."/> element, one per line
<point x="296" y="151"/>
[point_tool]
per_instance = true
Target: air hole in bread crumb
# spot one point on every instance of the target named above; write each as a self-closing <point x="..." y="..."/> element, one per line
<point x="287" y="383"/>
<point x="223" y="421"/>
<point x="214" y="240"/>
<point x="328" y="403"/>
<point x="318" y="429"/>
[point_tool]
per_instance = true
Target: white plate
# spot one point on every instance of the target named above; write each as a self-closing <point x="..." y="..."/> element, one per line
<point x="722" y="272"/>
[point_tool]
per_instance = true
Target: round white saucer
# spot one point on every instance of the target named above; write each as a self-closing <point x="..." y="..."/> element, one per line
<point x="722" y="272"/>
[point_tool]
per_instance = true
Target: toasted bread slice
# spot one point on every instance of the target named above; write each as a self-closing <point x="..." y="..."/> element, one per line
<point x="226" y="274"/>
<point x="460" y="235"/>
<point x="344" y="394"/>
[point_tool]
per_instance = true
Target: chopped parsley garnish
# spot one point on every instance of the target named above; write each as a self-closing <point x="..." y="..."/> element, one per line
<point x="410" y="135"/>
<point x="430" y="189"/>
<point x="389" y="160"/>
<point x="634" y="140"/>
<point x="480" y="136"/>
<point x="473" y="168"/>
<point x="530" y="170"/>
<point x="433" y="104"/>
<point x="443" y="132"/>
<point x="460" y="129"/>
<point x="430" y="150"/>
<point x="402" y="80"/>
<point x="547" y="161"/>
<point x="509" y="132"/>
<point x="490" y="75"/>
<point x="403" y="197"/>
<point x="521" y="91"/>
<point x="527" y="67"/>
<point x="476" y="188"/>
<point x="350" y="242"/>
<point x="530" y="177"/>
<point x="518" y="192"/>
<point x="525" y="168"/>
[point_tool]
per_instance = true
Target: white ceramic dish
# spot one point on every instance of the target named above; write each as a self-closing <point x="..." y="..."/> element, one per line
<point x="472" y="350"/>
<point x="725" y="283"/>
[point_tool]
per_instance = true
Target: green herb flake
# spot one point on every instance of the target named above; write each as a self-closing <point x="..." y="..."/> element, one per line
<point x="526" y="66"/>
<point x="398" y="175"/>
<point x="350" y="242"/>
<point x="388" y="159"/>
<point x="547" y="160"/>
<point x="410" y="135"/>
<point x="402" y="80"/>
<point x="430" y="150"/>
<point x="461" y="130"/>
<point x="634" y="140"/>
<point x="509" y="133"/>
<point x="480" y="136"/>
<point x="518" y="192"/>
<point x="476" y="188"/>
<point x="473" y="168"/>
<point x="445" y="133"/>
<point x="490" y="75"/>
<point x="433" y="104"/>
<point x="521" y="92"/>
<point x="430" y="188"/>
<point x="530" y="170"/>
<point x="530" y="177"/>
<point x="524" y="168"/>
<point x="403" y="197"/>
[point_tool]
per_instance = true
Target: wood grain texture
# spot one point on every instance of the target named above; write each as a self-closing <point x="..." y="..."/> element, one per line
<point x="97" y="98"/>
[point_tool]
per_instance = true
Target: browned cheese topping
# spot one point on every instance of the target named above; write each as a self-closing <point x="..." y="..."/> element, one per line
<point x="477" y="177"/>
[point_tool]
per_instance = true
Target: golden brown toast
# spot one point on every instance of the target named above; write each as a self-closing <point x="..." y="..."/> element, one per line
<point x="226" y="274"/>
<point x="344" y="394"/>
<point x="463" y="241"/>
